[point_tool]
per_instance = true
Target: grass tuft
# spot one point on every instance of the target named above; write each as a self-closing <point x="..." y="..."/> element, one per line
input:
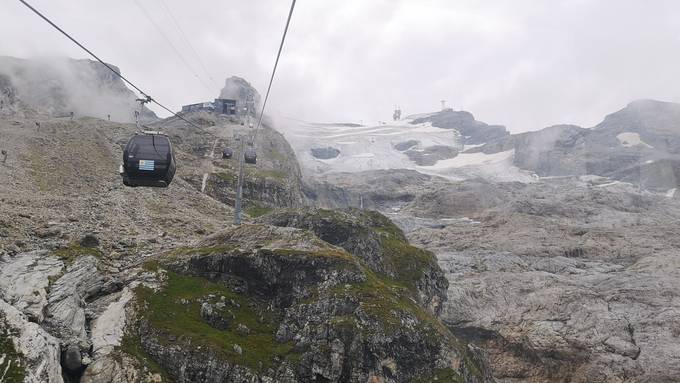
<point x="11" y="365"/>
<point x="176" y="310"/>
<point x="257" y="211"/>
<point x="74" y="251"/>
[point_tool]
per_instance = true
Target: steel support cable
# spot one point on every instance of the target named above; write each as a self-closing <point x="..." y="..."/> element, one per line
<point x="191" y="46"/>
<point x="105" y="64"/>
<point x="276" y="63"/>
<point x="174" y="48"/>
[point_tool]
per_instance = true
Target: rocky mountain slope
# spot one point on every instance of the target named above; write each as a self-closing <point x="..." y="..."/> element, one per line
<point x="570" y="277"/>
<point x="560" y="280"/>
<point x="639" y="144"/>
<point x="102" y="283"/>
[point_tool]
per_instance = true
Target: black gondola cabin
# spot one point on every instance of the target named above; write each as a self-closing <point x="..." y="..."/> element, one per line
<point x="227" y="153"/>
<point x="250" y="156"/>
<point x="148" y="160"/>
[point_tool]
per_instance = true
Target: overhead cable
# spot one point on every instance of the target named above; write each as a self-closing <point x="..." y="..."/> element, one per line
<point x="188" y="42"/>
<point x="105" y="64"/>
<point x="170" y="43"/>
<point x="276" y="63"/>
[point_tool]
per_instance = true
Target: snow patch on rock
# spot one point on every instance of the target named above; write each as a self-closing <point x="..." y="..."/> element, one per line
<point x="497" y="166"/>
<point x="363" y="148"/>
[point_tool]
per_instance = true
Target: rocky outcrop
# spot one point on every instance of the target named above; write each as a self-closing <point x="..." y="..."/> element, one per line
<point x="27" y="352"/>
<point x="294" y="308"/>
<point x="374" y="239"/>
<point x="430" y="155"/>
<point x="237" y="88"/>
<point x="68" y="295"/>
<point x="379" y="190"/>
<point x="24" y="280"/>
<point x="406" y="145"/>
<point x="474" y="132"/>
<point x="638" y="144"/>
<point x="274" y="181"/>
<point x="556" y="280"/>
<point x="260" y="189"/>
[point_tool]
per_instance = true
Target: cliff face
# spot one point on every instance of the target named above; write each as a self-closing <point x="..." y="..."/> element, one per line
<point x="237" y="88"/>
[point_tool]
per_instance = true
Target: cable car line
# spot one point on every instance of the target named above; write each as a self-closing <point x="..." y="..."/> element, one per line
<point x="174" y="48"/>
<point x="276" y="63"/>
<point x="248" y="155"/>
<point x="105" y="64"/>
<point x="191" y="46"/>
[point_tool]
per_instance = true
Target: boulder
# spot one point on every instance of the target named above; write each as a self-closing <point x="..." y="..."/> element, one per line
<point x="89" y="240"/>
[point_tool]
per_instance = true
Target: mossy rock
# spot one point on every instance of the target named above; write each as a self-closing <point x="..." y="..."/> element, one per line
<point x="12" y="369"/>
<point x="174" y="311"/>
<point x="257" y="299"/>
<point x="74" y="251"/>
<point x="377" y="241"/>
<point x="256" y="211"/>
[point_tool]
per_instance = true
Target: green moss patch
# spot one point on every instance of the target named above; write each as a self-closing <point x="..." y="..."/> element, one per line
<point x="227" y="177"/>
<point x="132" y="346"/>
<point x="387" y="301"/>
<point x="407" y="262"/>
<point x="206" y="250"/>
<point x="257" y="211"/>
<point x="176" y="310"/>
<point x="74" y="251"/>
<point x="277" y="175"/>
<point x="444" y="375"/>
<point x="11" y="366"/>
<point x="383" y="225"/>
<point x="324" y="253"/>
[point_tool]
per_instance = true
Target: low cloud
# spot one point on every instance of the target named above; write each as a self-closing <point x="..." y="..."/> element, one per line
<point x="525" y="64"/>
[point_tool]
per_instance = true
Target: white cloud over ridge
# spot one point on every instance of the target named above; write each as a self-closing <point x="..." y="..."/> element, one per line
<point x="525" y="63"/>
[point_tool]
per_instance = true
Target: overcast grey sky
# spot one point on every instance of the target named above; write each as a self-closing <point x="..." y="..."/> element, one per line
<point x="525" y="64"/>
